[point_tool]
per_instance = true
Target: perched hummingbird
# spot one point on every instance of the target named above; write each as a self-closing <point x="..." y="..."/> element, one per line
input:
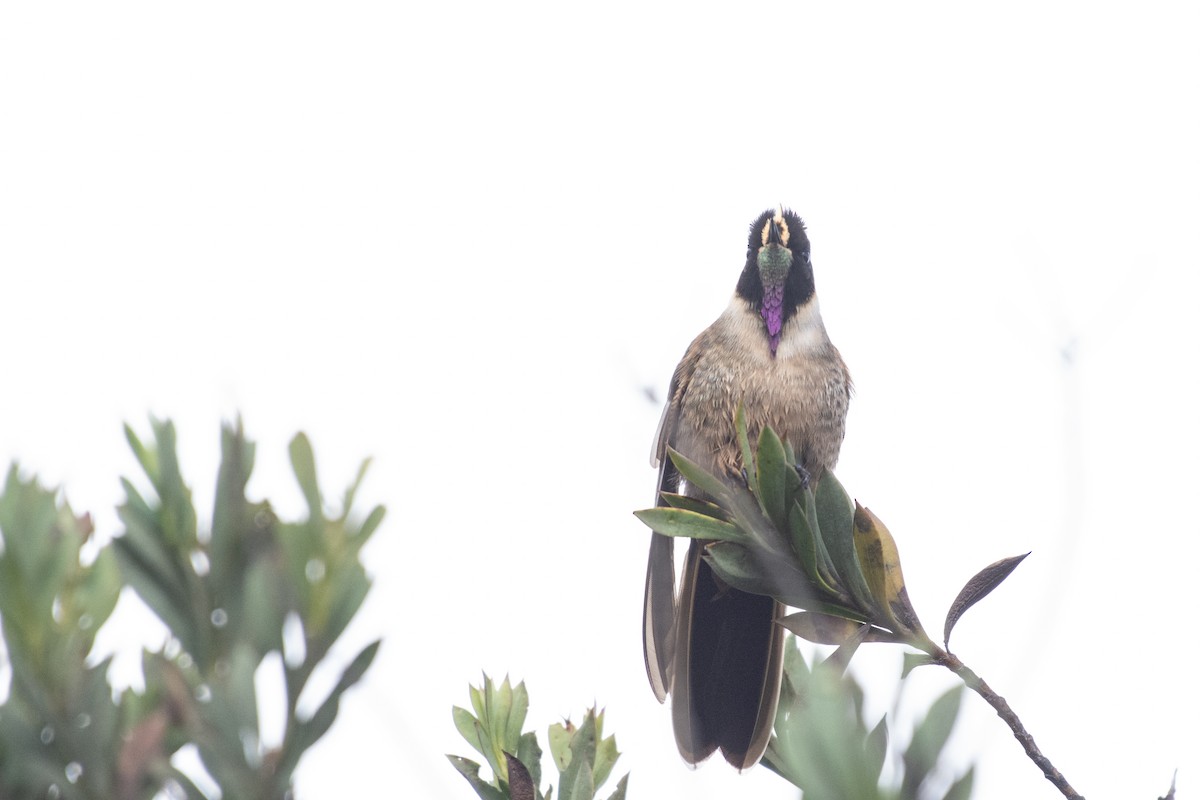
<point x="716" y="650"/>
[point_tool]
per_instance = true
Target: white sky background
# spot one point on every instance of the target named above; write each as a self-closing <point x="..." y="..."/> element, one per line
<point x="464" y="239"/>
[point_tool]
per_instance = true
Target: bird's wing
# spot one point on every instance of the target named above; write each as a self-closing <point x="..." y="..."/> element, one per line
<point x="658" y="614"/>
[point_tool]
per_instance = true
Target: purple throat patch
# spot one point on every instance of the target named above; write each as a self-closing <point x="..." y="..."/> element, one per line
<point x="772" y="314"/>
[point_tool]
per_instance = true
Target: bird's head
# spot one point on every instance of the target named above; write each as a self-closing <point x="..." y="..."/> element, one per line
<point x="778" y="276"/>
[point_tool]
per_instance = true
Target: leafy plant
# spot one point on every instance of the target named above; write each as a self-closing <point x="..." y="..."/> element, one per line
<point x="228" y="595"/>
<point x="816" y="550"/>
<point x="583" y="756"/>
<point x="824" y="745"/>
<point x="60" y="725"/>
<point x="252" y="587"/>
<point x="812" y="548"/>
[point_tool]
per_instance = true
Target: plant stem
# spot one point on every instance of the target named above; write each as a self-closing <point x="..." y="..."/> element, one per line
<point x="980" y="687"/>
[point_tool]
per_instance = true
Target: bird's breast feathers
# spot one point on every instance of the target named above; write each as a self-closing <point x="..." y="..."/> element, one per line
<point x="741" y="330"/>
<point x="801" y="392"/>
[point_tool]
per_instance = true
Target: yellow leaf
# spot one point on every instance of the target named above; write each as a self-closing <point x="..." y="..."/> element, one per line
<point x="880" y="561"/>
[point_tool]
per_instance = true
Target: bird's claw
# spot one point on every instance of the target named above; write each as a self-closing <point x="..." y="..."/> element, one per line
<point x="805" y="477"/>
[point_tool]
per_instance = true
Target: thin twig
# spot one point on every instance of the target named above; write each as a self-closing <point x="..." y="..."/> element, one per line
<point x="980" y="687"/>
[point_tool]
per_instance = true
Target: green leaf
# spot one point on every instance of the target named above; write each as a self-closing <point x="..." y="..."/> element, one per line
<point x="177" y="516"/>
<point x="961" y="788"/>
<point x="477" y="701"/>
<point x="232" y="515"/>
<point x="368" y="526"/>
<point x="559" y="737"/>
<point x="804" y="545"/>
<point x="139" y="565"/>
<point x="135" y="509"/>
<point x="468" y="728"/>
<point x="105" y="714"/>
<point x="358" y="667"/>
<point x="168" y="475"/>
<point x="929" y="737"/>
<point x="825" y="569"/>
<point x="145" y="457"/>
<point x="490" y="750"/>
<point x="37" y="546"/>
<point x="516" y="717"/>
<point x="835" y="509"/>
<point x="242" y="695"/>
<point x="914" y="660"/>
<point x="263" y="607"/>
<point x="304" y="466"/>
<point x="693" y="504"/>
<point x="576" y="783"/>
<point x="498" y="722"/>
<point x="824" y="628"/>
<point x="470" y="771"/>
<point x="678" y="522"/>
<point x="489" y="702"/>
<point x="349" y="591"/>
<point x="619" y="794"/>
<point x="697" y="477"/>
<point x="836" y="526"/>
<point x="762" y="533"/>
<point x="143" y="533"/>
<point x="980" y="585"/>
<point x="876" y="749"/>
<point x="821" y="744"/>
<point x="772" y="481"/>
<point x="606" y="756"/>
<point x="312" y="729"/>
<point x="352" y="489"/>
<point x="839" y="659"/>
<point x="741" y="568"/>
<point x="101" y="587"/>
<point x="739" y="425"/>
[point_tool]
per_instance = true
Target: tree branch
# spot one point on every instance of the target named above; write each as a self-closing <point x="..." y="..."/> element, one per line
<point x="980" y="687"/>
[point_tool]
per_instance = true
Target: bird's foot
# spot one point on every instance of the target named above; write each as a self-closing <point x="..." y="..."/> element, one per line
<point x="805" y="478"/>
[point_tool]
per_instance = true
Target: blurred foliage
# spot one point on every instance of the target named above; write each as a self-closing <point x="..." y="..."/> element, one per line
<point x="60" y="725"/>
<point x="252" y="591"/>
<point x="824" y="745"/>
<point x="583" y="756"/>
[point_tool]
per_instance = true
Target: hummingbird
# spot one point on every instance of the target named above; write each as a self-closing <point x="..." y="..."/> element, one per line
<point x="715" y="650"/>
